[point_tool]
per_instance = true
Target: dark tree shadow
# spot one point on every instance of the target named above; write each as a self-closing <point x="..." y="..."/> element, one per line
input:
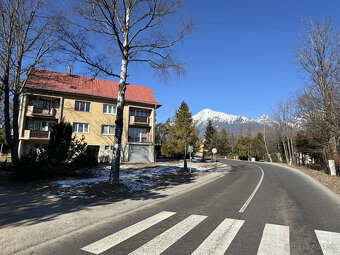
<point x="32" y="203"/>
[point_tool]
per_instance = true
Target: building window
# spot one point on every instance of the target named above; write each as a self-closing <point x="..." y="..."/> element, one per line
<point x="139" y="135"/>
<point x="80" y="127"/>
<point x="82" y="106"/>
<point x="40" y="125"/>
<point x="139" y="113"/>
<point x="108" y="130"/>
<point x="44" y="103"/>
<point x="108" y="147"/>
<point x="109" y="109"/>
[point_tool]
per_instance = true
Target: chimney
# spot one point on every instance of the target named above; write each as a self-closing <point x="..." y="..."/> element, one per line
<point x="68" y="71"/>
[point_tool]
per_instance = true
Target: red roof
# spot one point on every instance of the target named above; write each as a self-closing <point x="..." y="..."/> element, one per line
<point x="54" y="81"/>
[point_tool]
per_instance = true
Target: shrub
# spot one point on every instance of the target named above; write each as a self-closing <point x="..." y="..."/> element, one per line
<point x="79" y="154"/>
<point x="65" y="157"/>
<point x="59" y="144"/>
<point x="33" y="166"/>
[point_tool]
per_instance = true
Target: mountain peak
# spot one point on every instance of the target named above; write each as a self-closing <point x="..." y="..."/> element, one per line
<point x="263" y="118"/>
<point x="233" y="123"/>
<point x="208" y="114"/>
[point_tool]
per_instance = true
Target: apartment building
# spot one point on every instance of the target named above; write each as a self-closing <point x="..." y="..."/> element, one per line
<point x="90" y="106"/>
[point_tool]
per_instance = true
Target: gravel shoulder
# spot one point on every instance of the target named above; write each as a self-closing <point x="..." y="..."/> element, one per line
<point x="64" y="217"/>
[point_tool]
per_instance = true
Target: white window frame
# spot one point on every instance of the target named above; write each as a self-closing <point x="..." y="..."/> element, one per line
<point x="102" y="129"/>
<point x="33" y="124"/>
<point x="77" y="131"/>
<point x="135" y="132"/>
<point x="113" y="108"/>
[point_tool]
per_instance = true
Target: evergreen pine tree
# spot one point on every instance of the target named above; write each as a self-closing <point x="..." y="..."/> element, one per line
<point x="224" y="146"/>
<point x="182" y="134"/>
<point x="210" y="131"/>
<point x="257" y="147"/>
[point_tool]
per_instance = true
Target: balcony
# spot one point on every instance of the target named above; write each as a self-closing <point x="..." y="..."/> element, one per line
<point x="36" y="135"/>
<point x="140" y="121"/>
<point x="33" y="111"/>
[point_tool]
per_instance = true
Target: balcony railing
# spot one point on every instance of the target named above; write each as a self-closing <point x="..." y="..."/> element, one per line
<point x="36" y="134"/>
<point x="34" y="111"/>
<point x="138" y="120"/>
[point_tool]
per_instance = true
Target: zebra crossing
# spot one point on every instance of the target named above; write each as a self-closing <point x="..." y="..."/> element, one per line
<point x="275" y="238"/>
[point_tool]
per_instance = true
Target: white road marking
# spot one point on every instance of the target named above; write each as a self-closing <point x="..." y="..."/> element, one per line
<point x="124" y="234"/>
<point x="169" y="237"/>
<point x="219" y="240"/>
<point x="254" y="192"/>
<point x="329" y="242"/>
<point x="275" y="240"/>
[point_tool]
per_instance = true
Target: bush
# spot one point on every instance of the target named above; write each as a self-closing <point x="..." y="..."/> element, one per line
<point x="59" y="144"/>
<point x="33" y="166"/>
<point x="79" y="154"/>
<point x="65" y="157"/>
<point x="274" y="157"/>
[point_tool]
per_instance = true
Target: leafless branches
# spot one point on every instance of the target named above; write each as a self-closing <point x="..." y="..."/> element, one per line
<point x="26" y="37"/>
<point x="286" y="126"/>
<point x="318" y="55"/>
<point x="133" y="31"/>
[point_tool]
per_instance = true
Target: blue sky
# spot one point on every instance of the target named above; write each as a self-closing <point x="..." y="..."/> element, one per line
<point x="239" y="60"/>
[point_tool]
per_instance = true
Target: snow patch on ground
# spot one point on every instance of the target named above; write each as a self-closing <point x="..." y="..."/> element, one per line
<point x="134" y="178"/>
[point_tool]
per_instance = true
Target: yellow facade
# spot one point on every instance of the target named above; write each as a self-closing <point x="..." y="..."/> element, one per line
<point x="95" y="118"/>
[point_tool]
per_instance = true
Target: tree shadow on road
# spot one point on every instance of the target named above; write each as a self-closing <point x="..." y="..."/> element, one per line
<point x="27" y="204"/>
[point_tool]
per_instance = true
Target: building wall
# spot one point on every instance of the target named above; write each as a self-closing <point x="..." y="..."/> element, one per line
<point x="96" y="118"/>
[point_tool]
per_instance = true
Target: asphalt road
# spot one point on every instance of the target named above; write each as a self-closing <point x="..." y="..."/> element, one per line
<point x="257" y="208"/>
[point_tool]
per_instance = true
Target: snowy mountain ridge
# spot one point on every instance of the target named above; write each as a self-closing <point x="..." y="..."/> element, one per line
<point x="232" y="123"/>
<point x="208" y="114"/>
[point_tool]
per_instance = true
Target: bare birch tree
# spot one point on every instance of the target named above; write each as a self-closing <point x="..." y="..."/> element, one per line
<point x="318" y="55"/>
<point x="136" y="31"/>
<point x="265" y="143"/>
<point x="285" y="117"/>
<point x="26" y="36"/>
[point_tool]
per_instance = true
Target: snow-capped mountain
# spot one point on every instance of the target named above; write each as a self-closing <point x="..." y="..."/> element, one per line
<point x="232" y="123"/>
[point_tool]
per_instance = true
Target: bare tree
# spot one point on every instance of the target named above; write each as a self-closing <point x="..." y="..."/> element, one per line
<point x="26" y="37"/>
<point x="133" y="29"/>
<point x="318" y="54"/>
<point x="265" y="143"/>
<point x="286" y="125"/>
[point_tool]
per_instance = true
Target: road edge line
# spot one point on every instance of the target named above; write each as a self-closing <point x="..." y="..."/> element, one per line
<point x="243" y="208"/>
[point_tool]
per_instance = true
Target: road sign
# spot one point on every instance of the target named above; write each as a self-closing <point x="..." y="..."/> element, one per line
<point x="214" y="151"/>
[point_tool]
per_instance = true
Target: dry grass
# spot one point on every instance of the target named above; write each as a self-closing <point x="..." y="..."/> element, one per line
<point x="331" y="182"/>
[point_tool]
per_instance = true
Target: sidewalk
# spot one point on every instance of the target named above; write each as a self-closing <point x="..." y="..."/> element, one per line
<point x="29" y="219"/>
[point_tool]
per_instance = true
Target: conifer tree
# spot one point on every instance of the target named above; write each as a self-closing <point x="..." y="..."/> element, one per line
<point x="183" y="133"/>
<point x="243" y="147"/>
<point x="224" y="146"/>
<point x="257" y="147"/>
<point x="209" y="134"/>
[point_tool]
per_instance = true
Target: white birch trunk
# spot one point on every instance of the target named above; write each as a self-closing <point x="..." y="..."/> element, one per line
<point x="265" y="144"/>
<point x="289" y="152"/>
<point x="115" y="164"/>
<point x="286" y="151"/>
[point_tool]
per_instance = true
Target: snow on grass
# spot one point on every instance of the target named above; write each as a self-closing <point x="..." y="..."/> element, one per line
<point x="135" y="179"/>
